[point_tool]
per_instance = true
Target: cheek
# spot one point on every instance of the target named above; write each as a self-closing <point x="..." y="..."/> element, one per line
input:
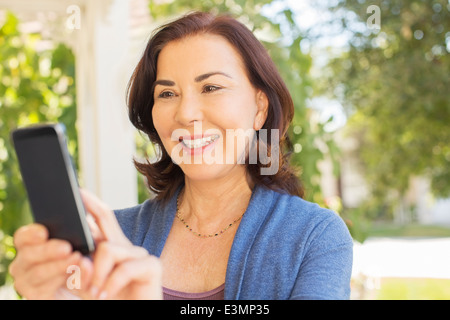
<point x="237" y="112"/>
<point x="163" y="124"/>
<point x="156" y="119"/>
<point x="160" y="119"/>
<point x="239" y="119"/>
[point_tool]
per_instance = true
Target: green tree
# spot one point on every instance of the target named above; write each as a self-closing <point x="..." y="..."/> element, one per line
<point x="35" y="86"/>
<point x="394" y="84"/>
<point x="281" y="37"/>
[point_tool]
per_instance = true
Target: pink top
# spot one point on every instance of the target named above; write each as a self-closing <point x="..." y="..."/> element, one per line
<point x="214" y="294"/>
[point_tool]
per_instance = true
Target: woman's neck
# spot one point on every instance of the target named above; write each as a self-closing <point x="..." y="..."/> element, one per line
<point x="210" y="205"/>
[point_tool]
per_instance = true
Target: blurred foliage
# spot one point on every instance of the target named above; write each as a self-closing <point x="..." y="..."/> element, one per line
<point x="35" y="86"/>
<point x="414" y="289"/>
<point x="144" y="150"/>
<point x="411" y="230"/>
<point x="7" y="254"/>
<point x="394" y="84"/>
<point x="282" y="38"/>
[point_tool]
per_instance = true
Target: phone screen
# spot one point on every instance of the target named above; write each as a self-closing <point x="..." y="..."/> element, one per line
<point x="51" y="184"/>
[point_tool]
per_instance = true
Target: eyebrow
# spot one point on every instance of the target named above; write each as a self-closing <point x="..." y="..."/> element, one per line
<point x="210" y="74"/>
<point x="170" y="83"/>
<point x="167" y="83"/>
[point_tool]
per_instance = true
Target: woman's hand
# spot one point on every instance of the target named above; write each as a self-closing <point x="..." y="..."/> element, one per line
<point x="119" y="270"/>
<point x="40" y="266"/>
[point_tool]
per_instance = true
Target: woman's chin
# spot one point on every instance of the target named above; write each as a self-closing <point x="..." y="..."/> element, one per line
<point x="206" y="172"/>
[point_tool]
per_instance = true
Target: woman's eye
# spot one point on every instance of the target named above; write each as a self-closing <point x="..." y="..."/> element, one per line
<point x="209" y="88"/>
<point x="166" y="94"/>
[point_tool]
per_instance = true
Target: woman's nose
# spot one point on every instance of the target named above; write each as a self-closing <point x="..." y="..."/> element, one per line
<point x="189" y="110"/>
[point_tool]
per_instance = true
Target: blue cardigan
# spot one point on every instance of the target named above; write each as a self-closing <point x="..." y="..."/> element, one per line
<point x="284" y="248"/>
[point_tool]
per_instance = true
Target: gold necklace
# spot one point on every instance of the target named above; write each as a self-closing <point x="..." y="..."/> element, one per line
<point x="204" y="235"/>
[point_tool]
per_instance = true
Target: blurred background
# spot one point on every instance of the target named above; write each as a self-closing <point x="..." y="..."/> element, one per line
<point x="370" y="81"/>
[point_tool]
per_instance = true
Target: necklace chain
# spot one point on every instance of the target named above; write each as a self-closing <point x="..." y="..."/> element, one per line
<point x="200" y="235"/>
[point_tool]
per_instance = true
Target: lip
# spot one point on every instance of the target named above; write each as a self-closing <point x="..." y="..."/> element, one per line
<point x="200" y="149"/>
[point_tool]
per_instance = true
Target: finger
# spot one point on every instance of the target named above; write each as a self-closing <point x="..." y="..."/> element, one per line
<point x="29" y="235"/>
<point x="43" y="273"/>
<point x="43" y="280"/>
<point x="107" y="257"/>
<point x="31" y="255"/>
<point x="78" y="280"/>
<point x="104" y="218"/>
<point x="51" y="250"/>
<point x="97" y="234"/>
<point x="146" y="273"/>
<point x="86" y="272"/>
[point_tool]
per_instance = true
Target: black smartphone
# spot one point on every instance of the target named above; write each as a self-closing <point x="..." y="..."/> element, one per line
<point x="51" y="184"/>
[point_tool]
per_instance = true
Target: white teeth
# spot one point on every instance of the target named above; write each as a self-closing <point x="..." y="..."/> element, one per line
<point x="198" y="143"/>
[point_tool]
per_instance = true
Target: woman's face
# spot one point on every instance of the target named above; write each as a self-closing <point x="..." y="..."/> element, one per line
<point x="205" y="105"/>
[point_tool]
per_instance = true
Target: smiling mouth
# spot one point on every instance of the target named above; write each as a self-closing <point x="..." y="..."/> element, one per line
<point x="199" y="142"/>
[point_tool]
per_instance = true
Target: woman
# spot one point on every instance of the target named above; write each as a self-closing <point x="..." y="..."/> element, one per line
<point x="220" y="226"/>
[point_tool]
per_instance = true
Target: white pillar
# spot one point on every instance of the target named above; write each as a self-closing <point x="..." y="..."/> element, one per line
<point x="106" y="137"/>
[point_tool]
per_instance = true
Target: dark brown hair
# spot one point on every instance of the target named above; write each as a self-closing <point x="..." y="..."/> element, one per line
<point x="163" y="176"/>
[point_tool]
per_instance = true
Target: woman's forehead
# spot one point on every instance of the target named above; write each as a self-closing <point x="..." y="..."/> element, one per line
<point x="199" y="54"/>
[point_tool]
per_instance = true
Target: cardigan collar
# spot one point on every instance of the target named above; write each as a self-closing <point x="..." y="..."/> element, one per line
<point x="254" y="216"/>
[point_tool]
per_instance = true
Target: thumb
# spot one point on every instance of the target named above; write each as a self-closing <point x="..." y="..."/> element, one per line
<point x="109" y="228"/>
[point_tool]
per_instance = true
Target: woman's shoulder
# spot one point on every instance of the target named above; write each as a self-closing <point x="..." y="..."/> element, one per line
<point x="296" y="215"/>
<point x="284" y="203"/>
<point x="295" y="242"/>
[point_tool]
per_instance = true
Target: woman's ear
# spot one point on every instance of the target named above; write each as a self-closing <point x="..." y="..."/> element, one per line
<point x="262" y="102"/>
